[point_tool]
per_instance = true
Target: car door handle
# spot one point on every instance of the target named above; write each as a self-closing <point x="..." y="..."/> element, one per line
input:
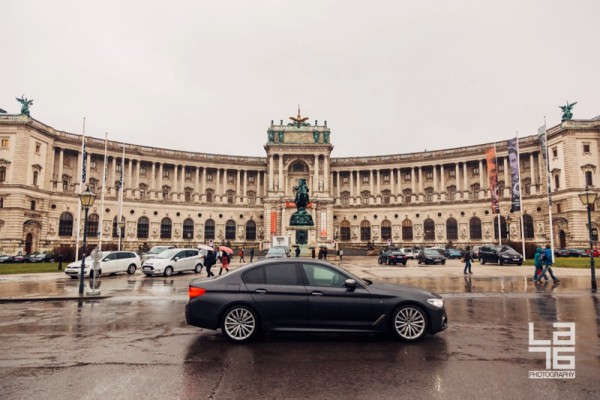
<point x="262" y="291"/>
<point x="317" y="293"/>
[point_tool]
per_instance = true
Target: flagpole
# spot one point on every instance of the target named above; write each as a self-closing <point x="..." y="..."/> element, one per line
<point x="100" y="224"/>
<point x="496" y="189"/>
<point x="521" y="200"/>
<point x="549" y="189"/>
<point x="83" y="179"/>
<point x="120" y="216"/>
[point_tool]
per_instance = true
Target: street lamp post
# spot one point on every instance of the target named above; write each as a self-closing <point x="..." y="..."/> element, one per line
<point x="508" y="222"/>
<point x="588" y="198"/>
<point x="87" y="200"/>
<point x="121" y="225"/>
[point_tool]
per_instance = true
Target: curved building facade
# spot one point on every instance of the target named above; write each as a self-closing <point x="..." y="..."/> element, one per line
<point x="185" y="198"/>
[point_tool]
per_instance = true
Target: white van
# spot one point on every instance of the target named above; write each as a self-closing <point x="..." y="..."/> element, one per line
<point x="174" y="260"/>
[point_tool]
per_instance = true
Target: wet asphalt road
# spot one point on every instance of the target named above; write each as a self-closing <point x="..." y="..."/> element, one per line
<point x="135" y="345"/>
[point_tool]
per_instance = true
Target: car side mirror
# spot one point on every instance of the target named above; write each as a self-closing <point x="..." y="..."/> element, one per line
<point x="350" y="283"/>
<point x="175" y="258"/>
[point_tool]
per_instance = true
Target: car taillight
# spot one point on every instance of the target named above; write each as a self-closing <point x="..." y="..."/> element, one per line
<point x="195" y="292"/>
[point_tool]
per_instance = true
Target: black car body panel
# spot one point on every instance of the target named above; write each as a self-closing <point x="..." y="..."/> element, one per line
<point x="430" y="256"/>
<point x="392" y="257"/>
<point x="305" y="302"/>
<point x="500" y="255"/>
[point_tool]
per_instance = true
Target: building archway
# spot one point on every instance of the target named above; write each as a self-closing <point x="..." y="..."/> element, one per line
<point x="562" y="239"/>
<point x="31" y="236"/>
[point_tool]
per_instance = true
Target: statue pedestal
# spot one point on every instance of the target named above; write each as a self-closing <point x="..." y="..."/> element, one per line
<point x="297" y="233"/>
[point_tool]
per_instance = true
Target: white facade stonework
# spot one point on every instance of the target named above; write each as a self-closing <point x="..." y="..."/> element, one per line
<point x="426" y="198"/>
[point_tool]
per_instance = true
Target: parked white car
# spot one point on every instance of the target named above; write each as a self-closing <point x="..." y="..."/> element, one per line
<point x="154" y="251"/>
<point x="112" y="262"/>
<point x="174" y="260"/>
<point x="409" y="252"/>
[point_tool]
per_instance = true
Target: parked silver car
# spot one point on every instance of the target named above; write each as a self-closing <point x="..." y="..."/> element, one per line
<point x="112" y="262"/>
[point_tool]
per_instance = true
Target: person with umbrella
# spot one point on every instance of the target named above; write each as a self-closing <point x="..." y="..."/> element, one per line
<point x="225" y="259"/>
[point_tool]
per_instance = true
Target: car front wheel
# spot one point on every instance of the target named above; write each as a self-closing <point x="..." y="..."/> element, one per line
<point x="409" y="323"/>
<point x="239" y="324"/>
<point x="131" y="269"/>
<point x="168" y="271"/>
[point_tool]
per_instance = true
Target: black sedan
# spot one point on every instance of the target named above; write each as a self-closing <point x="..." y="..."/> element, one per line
<point x="430" y="256"/>
<point x="306" y="295"/>
<point x="392" y="257"/>
<point x="577" y="253"/>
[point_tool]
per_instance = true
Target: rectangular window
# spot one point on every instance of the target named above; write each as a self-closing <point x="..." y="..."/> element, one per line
<point x="165" y="173"/>
<point x="2" y="174"/>
<point x="251" y="179"/>
<point x="143" y="171"/>
<point x="386" y="178"/>
<point x="38" y="147"/>
<point x="35" y="178"/>
<point x="500" y="167"/>
<point x="230" y="178"/>
<point x="554" y="152"/>
<point x="33" y="205"/>
<point x="93" y="164"/>
<point x="452" y="173"/>
<point x="209" y="177"/>
<point x="475" y="171"/>
<point x="558" y="208"/>
<point x="4" y="143"/>
<point x="119" y="167"/>
<point x="365" y="179"/>
<point x="188" y="175"/>
<point x="586" y="148"/>
<point x="345" y="180"/>
<point x="1" y="202"/>
<point x="407" y="177"/>
<point x="429" y="175"/>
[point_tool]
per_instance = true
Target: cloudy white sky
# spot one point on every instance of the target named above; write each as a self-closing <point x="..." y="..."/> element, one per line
<point x="388" y="76"/>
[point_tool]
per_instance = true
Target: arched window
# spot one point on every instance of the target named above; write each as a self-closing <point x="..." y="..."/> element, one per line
<point x="165" y="228"/>
<point x="528" y="226"/>
<point x="2" y="174"/>
<point x="210" y="196"/>
<point x="345" y="230"/>
<point x="475" y="228"/>
<point x="429" y="229"/>
<point x="365" y="230"/>
<point x="65" y="224"/>
<point x="451" y="229"/>
<point x="143" y="227"/>
<point x="588" y="178"/>
<point x="209" y="228"/>
<point x="230" y="230"/>
<point x="250" y="230"/>
<point x="92" y="226"/>
<point x="386" y="229"/>
<point x="502" y="227"/>
<point x="188" y="228"/>
<point x="407" y="230"/>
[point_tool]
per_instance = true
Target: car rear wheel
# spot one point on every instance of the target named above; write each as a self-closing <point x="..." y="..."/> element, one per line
<point x="239" y="324"/>
<point x="198" y="268"/>
<point x="379" y="261"/>
<point x="131" y="269"/>
<point x="409" y="323"/>
<point x="443" y="262"/>
<point x="168" y="271"/>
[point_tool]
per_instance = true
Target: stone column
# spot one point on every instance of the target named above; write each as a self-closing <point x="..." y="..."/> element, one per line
<point x="442" y="179"/>
<point x="88" y="162"/>
<point x="129" y="177"/>
<point x="371" y="183"/>
<point x="152" y="189"/>
<point x="420" y="179"/>
<point x="316" y="174"/>
<point x="532" y="169"/>
<point x="245" y="188"/>
<point x="280" y="172"/>
<point x="175" y="183"/>
<point x="481" y="188"/>
<point x="413" y="179"/>
<point x="351" y="187"/>
<point x="338" y="185"/>
<point x="435" y="183"/>
<point x="237" y="187"/>
<point x="160" y="181"/>
<point x="197" y="184"/>
<point x="358" y="194"/>
<point x="271" y="161"/>
<point x="203" y="188"/>
<point x="507" y="184"/>
<point x="259" y="193"/>
<point x="457" y="177"/>
<point x="218" y="186"/>
<point x="114" y="175"/>
<point x="61" y="160"/>
<point x="326" y="174"/>
<point x="465" y="183"/>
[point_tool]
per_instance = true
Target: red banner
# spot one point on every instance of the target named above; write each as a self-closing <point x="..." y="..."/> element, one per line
<point x="490" y="155"/>
<point x="273" y="223"/>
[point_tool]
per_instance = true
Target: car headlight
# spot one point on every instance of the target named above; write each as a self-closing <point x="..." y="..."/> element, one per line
<point x="436" y="302"/>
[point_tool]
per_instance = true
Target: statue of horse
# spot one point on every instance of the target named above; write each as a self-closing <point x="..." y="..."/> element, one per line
<point x="301" y="199"/>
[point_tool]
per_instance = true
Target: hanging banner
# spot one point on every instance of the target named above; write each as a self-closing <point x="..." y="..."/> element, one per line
<point x="513" y="159"/>
<point x="273" y="223"/>
<point x="323" y="223"/>
<point x="490" y="155"/>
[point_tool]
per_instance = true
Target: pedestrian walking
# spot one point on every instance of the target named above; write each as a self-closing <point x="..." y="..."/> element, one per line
<point x="467" y="260"/>
<point x="341" y="253"/>
<point x="325" y="253"/>
<point x="297" y="251"/>
<point x="251" y="253"/>
<point x="548" y="265"/>
<point x="313" y="253"/>
<point x="209" y="260"/>
<point x="224" y="262"/>
<point x="538" y="263"/>
<point x="241" y="254"/>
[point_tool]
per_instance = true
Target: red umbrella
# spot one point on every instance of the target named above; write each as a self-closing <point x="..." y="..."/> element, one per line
<point x="226" y="249"/>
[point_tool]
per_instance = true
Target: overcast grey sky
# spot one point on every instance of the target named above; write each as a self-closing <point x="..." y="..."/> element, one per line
<point x="388" y="76"/>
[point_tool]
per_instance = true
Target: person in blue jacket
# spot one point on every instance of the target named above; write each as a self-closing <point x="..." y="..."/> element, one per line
<point x="548" y="265"/>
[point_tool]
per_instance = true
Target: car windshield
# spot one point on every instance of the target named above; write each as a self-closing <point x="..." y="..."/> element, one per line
<point x="397" y="252"/>
<point x="430" y="252"/>
<point x="170" y="253"/>
<point x="157" y="250"/>
<point x="511" y="252"/>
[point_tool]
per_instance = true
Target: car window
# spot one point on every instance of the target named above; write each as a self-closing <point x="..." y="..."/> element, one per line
<point x="254" y="276"/>
<point x="167" y="253"/>
<point x="282" y="274"/>
<point x="182" y="254"/>
<point x="320" y="275"/>
<point x="192" y="253"/>
<point x="111" y="257"/>
<point x="124" y="255"/>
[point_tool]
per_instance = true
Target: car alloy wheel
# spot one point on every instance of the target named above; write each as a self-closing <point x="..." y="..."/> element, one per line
<point x="168" y="271"/>
<point x="131" y="269"/>
<point x="239" y="324"/>
<point x="198" y="268"/>
<point x="409" y="323"/>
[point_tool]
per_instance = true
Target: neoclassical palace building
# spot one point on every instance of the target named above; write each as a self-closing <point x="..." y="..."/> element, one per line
<point x="185" y="198"/>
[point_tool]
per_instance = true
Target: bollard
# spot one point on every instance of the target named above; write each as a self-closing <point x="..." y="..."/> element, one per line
<point x="60" y="258"/>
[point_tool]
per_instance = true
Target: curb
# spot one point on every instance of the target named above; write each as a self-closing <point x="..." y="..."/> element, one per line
<point x="39" y="299"/>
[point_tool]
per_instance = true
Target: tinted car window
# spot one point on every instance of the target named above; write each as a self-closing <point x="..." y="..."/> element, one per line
<point x="319" y="275"/>
<point x="282" y="274"/>
<point x="110" y="257"/>
<point x="192" y="253"/>
<point x="122" y="256"/>
<point x="256" y="276"/>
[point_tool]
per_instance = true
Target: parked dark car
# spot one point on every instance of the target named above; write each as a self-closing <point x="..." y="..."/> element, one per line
<point x="309" y="295"/>
<point x="20" y="258"/>
<point x="500" y="255"/>
<point x="392" y="257"/>
<point x="453" y="254"/>
<point x="430" y="256"/>
<point x="577" y="253"/>
<point x="561" y="252"/>
<point x="6" y="259"/>
<point x="42" y="257"/>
